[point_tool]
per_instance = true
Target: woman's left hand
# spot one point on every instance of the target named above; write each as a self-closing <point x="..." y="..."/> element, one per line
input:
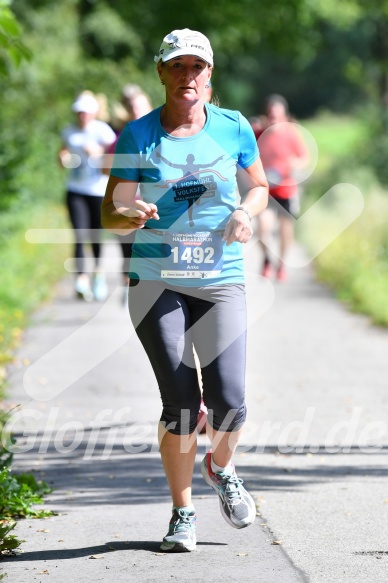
<point x="238" y="228"/>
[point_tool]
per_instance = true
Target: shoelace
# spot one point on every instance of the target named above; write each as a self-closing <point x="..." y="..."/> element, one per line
<point x="182" y="522"/>
<point x="232" y="488"/>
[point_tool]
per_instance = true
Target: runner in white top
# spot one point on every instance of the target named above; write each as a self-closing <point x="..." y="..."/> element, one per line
<point x="84" y="145"/>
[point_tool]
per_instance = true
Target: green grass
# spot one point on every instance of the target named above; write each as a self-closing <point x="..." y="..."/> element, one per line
<point x="28" y="272"/>
<point x="336" y="137"/>
<point x="355" y="264"/>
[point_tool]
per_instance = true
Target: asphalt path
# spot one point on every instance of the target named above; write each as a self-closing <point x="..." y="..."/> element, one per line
<point x="313" y="453"/>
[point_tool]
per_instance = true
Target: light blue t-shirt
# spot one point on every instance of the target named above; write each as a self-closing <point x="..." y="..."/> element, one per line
<point x="86" y="178"/>
<point x="193" y="183"/>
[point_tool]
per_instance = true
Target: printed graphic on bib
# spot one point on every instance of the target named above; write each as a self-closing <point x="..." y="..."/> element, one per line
<point x="193" y="255"/>
<point x="192" y="187"/>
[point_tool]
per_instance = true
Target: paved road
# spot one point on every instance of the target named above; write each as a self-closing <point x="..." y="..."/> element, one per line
<point x="317" y="395"/>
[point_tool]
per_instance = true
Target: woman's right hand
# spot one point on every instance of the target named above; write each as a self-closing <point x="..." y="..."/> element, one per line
<point x="121" y="211"/>
<point x="139" y="213"/>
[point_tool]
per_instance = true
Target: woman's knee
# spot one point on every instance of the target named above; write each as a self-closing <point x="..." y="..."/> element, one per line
<point x="226" y="419"/>
<point x="181" y="420"/>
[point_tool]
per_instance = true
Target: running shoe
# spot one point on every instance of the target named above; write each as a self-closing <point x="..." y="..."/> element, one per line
<point x="100" y="288"/>
<point x="282" y="275"/>
<point x="82" y="289"/>
<point x="181" y="532"/>
<point x="237" y="506"/>
<point x="267" y="270"/>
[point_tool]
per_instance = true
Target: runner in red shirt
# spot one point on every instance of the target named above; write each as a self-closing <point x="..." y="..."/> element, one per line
<point x="282" y="153"/>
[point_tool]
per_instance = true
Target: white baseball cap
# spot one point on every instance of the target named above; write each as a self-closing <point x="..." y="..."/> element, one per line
<point x="185" y="42"/>
<point x="85" y="103"/>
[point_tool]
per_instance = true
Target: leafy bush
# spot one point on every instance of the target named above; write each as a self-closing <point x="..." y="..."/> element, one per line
<point x="19" y="493"/>
<point x="374" y="151"/>
<point x="12" y="50"/>
<point x="8" y="542"/>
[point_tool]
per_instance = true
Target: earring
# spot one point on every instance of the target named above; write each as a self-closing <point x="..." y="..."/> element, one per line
<point x="207" y="86"/>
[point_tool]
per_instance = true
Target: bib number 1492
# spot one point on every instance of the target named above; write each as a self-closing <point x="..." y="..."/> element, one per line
<point x="193" y="254"/>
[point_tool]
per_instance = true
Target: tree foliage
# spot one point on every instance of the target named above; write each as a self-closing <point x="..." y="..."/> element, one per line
<point x="318" y="53"/>
<point x="12" y="49"/>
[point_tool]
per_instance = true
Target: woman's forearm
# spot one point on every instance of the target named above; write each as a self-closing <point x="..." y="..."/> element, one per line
<point x="114" y="220"/>
<point x="253" y="187"/>
<point x="255" y="200"/>
<point x="120" y="211"/>
<point x="115" y="208"/>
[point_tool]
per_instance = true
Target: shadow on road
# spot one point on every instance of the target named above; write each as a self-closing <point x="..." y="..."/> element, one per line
<point x="94" y="551"/>
<point x="129" y="478"/>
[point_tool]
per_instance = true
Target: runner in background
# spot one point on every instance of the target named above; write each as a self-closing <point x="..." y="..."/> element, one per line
<point x="283" y="153"/>
<point x="258" y="123"/>
<point x="136" y="103"/>
<point x="187" y="273"/>
<point x="84" y="145"/>
<point x="135" y="100"/>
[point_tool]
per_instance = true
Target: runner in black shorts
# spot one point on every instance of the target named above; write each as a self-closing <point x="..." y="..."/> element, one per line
<point x="284" y="206"/>
<point x="87" y="139"/>
<point x="283" y="151"/>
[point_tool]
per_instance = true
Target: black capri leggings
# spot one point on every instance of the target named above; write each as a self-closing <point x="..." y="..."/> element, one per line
<point x="126" y="243"/>
<point x="169" y="321"/>
<point x="85" y="214"/>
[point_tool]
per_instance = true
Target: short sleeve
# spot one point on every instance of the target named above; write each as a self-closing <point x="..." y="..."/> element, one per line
<point x="249" y="151"/>
<point x="126" y="159"/>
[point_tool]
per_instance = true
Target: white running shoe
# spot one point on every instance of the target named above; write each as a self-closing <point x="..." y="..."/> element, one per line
<point x="181" y="532"/>
<point x="82" y="288"/>
<point x="237" y="506"/>
<point x="100" y="288"/>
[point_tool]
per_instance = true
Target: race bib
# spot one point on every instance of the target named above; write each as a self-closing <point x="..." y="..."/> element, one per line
<point x="193" y="255"/>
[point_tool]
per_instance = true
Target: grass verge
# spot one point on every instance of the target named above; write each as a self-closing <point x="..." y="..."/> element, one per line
<point x="336" y="137"/>
<point x="19" y="494"/>
<point x="355" y="264"/>
<point x="28" y="274"/>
